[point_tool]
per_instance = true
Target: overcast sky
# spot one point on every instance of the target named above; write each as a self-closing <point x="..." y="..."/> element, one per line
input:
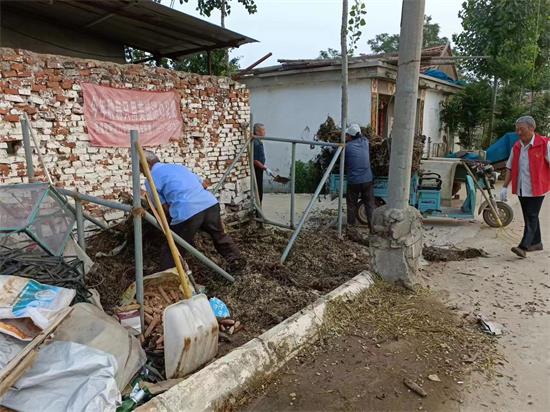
<point x="293" y="29"/>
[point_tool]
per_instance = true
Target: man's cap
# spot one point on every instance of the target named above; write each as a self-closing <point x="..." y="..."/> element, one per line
<point x="353" y="129"/>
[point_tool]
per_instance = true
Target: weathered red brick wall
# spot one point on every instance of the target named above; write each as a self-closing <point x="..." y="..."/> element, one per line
<point x="215" y="115"/>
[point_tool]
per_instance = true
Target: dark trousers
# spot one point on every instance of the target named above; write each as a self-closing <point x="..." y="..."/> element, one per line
<point x="530" y="206"/>
<point x="209" y="221"/>
<point x="260" y="182"/>
<point x="356" y="193"/>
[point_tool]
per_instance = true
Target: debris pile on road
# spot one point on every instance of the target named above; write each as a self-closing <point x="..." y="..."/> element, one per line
<point x="440" y="254"/>
<point x="380" y="147"/>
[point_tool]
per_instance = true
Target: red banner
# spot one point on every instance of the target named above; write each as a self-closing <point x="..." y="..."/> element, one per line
<point x="111" y="113"/>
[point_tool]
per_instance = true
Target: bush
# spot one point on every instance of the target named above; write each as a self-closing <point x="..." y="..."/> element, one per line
<point x="308" y="176"/>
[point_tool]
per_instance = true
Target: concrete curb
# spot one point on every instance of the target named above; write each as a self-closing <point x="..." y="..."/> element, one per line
<point x="208" y="388"/>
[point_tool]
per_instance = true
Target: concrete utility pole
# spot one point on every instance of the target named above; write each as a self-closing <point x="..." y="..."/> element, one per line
<point x="344" y="108"/>
<point x="397" y="239"/>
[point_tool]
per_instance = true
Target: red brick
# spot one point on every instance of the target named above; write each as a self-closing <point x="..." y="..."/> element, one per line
<point x="85" y="72"/>
<point x="9" y="73"/>
<point x="11" y="91"/>
<point x="4" y="170"/>
<point x="67" y="84"/>
<point x="30" y="110"/>
<point x="52" y="85"/>
<point x="3" y="111"/>
<point x="60" y="98"/>
<point x="17" y="66"/>
<point x="38" y="87"/>
<point x="11" y="118"/>
<point x="24" y="73"/>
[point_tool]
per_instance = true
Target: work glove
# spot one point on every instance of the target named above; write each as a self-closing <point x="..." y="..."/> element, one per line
<point x="504" y="194"/>
<point x="270" y="172"/>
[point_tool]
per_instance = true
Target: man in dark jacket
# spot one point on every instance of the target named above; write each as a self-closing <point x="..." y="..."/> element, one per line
<point x="359" y="175"/>
<point x="259" y="158"/>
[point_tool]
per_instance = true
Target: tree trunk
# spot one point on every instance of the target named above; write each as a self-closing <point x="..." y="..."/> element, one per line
<point x="344" y="108"/>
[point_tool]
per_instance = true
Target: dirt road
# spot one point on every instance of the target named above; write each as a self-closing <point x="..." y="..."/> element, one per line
<point x="514" y="292"/>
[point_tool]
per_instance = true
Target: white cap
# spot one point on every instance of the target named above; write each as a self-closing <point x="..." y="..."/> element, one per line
<point x="353" y="129"/>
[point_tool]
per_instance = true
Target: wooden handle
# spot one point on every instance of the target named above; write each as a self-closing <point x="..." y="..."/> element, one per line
<point x="187" y="294"/>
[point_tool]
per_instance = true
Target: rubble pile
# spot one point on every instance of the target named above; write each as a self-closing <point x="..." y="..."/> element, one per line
<point x="264" y="292"/>
<point x="380" y="147"/>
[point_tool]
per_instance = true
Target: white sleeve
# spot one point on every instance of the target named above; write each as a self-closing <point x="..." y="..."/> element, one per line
<point x="510" y="160"/>
<point x="548" y="151"/>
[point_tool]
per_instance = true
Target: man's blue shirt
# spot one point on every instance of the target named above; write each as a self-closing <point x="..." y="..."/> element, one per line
<point x="181" y="189"/>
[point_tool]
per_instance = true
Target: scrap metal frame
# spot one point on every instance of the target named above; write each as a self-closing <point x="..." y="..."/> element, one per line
<point x="256" y="208"/>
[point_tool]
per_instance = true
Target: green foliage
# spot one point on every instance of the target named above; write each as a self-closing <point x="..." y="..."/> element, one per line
<point x="308" y="176"/>
<point x="206" y="7"/>
<point x="513" y="33"/>
<point x="389" y="43"/>
<point x="329" y="54"/>
<point x="356" y="21"/>
<point x="466" y="111"/>
<point x="198" y="63"/>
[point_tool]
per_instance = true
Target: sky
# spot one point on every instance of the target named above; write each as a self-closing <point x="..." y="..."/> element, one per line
<point x="297" y="29"/>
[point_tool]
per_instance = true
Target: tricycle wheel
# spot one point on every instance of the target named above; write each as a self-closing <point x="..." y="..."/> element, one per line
<point x="362" y="214"/>
<point x="505" y="213"/>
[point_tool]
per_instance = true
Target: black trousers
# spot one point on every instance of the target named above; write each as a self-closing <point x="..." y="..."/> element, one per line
<point x="530" y="206"/>
<point x="260" y="182"/>
<point x="355" y="194"/>
<point x="209" y="221"/>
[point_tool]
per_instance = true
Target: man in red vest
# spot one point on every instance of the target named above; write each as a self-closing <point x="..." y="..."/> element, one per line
<point x="529" y="171"/>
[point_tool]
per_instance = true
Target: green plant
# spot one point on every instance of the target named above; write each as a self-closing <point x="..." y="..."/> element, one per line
<point x="308" y="176"/>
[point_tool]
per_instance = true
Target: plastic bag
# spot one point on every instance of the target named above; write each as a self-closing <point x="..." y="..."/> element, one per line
<point x="26" y="298"/>
<point x="219" y="308"/>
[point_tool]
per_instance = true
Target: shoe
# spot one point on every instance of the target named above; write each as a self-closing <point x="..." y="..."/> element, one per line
<point x="519" y="251"/>
<point x="534" y="248"/>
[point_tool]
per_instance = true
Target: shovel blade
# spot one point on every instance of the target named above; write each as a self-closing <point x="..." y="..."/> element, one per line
<point x="190" y="336"/>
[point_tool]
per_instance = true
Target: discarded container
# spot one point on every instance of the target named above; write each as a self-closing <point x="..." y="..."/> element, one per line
<point x="190" y="336"/>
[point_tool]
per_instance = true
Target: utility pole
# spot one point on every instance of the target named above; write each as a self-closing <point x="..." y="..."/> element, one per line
<point x="396" y="241"/>
<point x="406" y="94"/>
<point x="344" y="108"/>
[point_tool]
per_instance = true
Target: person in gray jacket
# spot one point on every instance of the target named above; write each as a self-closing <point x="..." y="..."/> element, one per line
<point x="359" y="175"/>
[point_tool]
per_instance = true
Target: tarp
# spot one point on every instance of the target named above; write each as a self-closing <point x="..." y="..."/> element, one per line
<point x="111" y="113"/>
<point x="500" y="150"/>
<point x="66" y="376"/>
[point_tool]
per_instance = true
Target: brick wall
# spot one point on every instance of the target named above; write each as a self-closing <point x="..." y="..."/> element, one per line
<point x="215" y="115"/>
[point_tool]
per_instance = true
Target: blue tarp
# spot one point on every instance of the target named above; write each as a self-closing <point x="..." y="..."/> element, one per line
<point x="500" y="150"/>
<point x="438" y="74"/>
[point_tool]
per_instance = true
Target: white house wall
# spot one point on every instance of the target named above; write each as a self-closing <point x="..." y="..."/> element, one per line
<point x="432" y="127"/>
<point x="296" y="111"/>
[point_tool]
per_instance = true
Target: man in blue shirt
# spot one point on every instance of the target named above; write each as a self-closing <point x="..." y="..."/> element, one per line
<point x="259" y="158"/>
<point x="190" y="208"/>
<point x="359" y="175"/>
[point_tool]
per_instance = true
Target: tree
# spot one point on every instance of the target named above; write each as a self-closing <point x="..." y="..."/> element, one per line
<point x="353" y="31"/>
<point x="389" y="43"/>
<point x="514" y="35"/>
<point x="466" y="112"/>
<point x="508" y="32"/>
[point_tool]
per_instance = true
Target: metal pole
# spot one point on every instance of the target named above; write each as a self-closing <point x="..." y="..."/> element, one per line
<point x="273" y="223"/>
<point x="151" y="219"/>
<point x="37" y="146"/>
<point x="191" y="250"/>
<point x="344" y="110"/>
<point x="233" y="163"/>
<point x="310" y="205"/>
<point x="300" y="141"/>
<point x="292" y="184"/>
<point x="80" y="224"/>
<point x="405" y="103"/>
<point x="138" y="237"/>
<point x="28" y="148"/>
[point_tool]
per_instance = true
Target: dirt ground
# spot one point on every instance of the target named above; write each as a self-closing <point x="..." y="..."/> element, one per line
<point x="390" y="335"/>
<point x="514" y="292"/>
<point x="264" y="293"/>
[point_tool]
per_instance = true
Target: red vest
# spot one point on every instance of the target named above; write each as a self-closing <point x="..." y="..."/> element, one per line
<point x="538" y="166"/>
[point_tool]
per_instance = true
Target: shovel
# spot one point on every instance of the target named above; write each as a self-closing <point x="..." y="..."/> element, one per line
<point x="190" y="326"/>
